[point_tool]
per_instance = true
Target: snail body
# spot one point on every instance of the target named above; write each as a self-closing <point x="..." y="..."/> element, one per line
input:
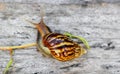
<point x="57" y="45"/>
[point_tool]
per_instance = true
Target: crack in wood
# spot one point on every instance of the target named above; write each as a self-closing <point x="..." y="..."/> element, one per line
<point x="71" y="66"/>
<point x="105" y="46"/>
<point x="110" y="45"/>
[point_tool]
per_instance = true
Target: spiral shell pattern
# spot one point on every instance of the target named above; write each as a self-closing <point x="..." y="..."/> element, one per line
<point x="61" y="47"/>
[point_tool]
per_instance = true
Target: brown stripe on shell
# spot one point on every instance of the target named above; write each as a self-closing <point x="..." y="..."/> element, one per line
<point x="58" y="40"/>
<point x="61" y="44"/>
<point x="46" y="36"/>
<point x="51" y="35"/>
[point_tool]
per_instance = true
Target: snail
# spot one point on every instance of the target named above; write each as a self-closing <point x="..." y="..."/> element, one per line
<point x="57" y="45"/>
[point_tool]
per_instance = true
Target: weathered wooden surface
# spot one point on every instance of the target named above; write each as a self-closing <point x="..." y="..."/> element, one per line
<point x="99" y="24"/>
<point x="62" y="1"/>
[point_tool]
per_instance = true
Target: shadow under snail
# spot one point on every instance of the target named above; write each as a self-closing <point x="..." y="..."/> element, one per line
<point x="57" y="45"/>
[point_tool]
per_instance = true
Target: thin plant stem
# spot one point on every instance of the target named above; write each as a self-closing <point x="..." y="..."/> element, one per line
<point x="18" y="47"/>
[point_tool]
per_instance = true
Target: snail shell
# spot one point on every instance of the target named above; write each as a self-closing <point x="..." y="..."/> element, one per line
<point x="62" y="47"/>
